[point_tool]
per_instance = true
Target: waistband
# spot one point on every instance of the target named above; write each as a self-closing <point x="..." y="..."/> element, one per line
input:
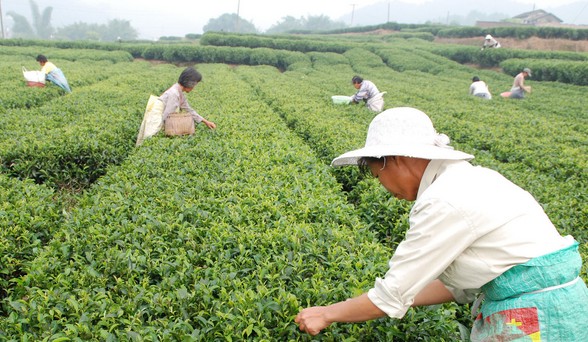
<point x="545" y="272"/>
<point x="481" y="297"/>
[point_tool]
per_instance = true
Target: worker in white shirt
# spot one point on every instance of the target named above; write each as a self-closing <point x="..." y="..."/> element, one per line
<point x="479" y="88"/>
<point x="490" y="42"/>
<point x="472" y="232"/>
<point x="368" y="93"/>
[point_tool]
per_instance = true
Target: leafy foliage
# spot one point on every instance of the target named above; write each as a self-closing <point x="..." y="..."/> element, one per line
<point x="115" y="30"/>
<point x="40" y="26"/>
<point x="519" y="32"/>
<point x="229" y="23"/>
<point x="227" y="234"/>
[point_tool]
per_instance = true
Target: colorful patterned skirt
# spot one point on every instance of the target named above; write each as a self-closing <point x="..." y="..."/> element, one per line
<point x="541" y="300"/>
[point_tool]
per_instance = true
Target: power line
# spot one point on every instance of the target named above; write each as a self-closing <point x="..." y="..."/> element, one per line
<point x="585" y="5"/>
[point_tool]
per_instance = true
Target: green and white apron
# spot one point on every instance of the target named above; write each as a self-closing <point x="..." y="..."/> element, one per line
<point x="541" y="300"/>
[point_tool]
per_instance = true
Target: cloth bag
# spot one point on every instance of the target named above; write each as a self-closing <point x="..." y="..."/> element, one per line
<point x="152" y="119"/>
<point x="34" y="78"/>
<point x="376" y="103"/>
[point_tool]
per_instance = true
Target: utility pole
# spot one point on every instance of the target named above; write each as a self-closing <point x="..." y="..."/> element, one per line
<point x="2" y="20"/>
<point x="237" y="20"/>
<point x="352" y="13"/>
<point x="388" y="18"/>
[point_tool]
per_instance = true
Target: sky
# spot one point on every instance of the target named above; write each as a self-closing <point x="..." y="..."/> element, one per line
<point x="156" y="18"/>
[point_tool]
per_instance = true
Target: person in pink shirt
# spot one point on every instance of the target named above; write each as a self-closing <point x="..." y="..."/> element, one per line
<point x="174" y="99"/>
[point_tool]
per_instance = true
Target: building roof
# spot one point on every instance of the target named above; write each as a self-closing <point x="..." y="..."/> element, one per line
<point x="537" y="16"/>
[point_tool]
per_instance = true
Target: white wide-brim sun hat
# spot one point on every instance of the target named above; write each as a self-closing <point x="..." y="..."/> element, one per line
<point x="402" y="131"/>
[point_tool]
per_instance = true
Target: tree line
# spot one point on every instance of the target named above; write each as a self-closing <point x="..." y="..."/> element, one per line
<point x="40" y="27"/>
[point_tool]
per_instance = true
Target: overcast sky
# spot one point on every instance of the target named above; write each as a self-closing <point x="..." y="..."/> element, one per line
<point x="156" y="18"/>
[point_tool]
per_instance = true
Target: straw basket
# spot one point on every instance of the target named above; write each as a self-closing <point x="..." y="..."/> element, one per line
<point x="179" y="124"/>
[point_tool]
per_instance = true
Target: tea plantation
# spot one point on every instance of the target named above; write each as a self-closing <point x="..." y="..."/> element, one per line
<point x="225" y="235"/>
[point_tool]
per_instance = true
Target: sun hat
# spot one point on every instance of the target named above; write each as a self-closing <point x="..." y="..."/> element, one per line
<point x="402" y="131"/>
<point x="528" y="71"/>
<point x="488" y="36"/>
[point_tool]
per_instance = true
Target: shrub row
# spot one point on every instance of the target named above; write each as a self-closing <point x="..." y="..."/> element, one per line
<point x="167" y="246"/>
<point x="28" y="219"/>
<point x="221" y="236"/>
<point x="519" y="32"/>
<point x="493" y="57"/>
<point x="33" y="48"/>
<point x="258" y="41"/>
<point x="71" y="140"/>
<point x="572" y="72"/>
<point x="281" y="59"/>
<point x="532" y="162"/>
<point x="30" y="97"/>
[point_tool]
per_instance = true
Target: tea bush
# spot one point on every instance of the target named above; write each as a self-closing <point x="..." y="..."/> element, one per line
<point x="227" y="234"/>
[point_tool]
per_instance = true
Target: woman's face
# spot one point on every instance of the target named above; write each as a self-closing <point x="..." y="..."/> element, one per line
<point x="186" y="89"/>
<point x="397" y="176"/>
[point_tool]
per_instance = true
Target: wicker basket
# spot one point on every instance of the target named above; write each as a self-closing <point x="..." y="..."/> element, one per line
<point x="179" y="124"/>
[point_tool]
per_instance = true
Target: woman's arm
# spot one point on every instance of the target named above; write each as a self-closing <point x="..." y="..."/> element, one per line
<point x="359" y="309"/>
<point x="434" y="293"/>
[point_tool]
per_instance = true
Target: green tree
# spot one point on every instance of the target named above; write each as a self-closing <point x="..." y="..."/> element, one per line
<point x="41" y="27"/>
<point x="119" y="29"/>
<point x="230" y="23"/>
<point x="21" y="27"/>
<point x="79" y="31"/>
<point x="110" y="32"/>
<point x="287" y="24"/>
<point x="322" y="23"/>
<point x="311" y="23"/>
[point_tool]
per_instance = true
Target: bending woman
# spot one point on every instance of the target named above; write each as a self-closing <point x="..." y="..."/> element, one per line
<point x="472" y="233"/>
<point x="175" y="101"/>
<point x="53" y="74"/>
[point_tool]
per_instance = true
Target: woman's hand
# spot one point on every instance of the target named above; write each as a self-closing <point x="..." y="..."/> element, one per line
<point x="312" y="320"/>
<point x="359" y="309"/>
<point x="209" y="124"/>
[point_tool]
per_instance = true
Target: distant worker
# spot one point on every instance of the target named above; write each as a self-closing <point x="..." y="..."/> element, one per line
<point x="53" y="74"/>
<point x="490" y="42"/>
<point x="174" y="99"/>
<point x="160" y="108"/>
<point x="480" y="89"/>
<point x="368" y="93"/>
<point x="519" y="88"/>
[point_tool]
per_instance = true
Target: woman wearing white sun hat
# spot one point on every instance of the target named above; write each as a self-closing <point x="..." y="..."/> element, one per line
<point x="490" y="42"/>
<point x="472" y="233"/>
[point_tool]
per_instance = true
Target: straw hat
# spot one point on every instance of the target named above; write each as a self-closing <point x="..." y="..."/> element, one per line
<point x="488" y="37"/>
<point x="403" y="131"/>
